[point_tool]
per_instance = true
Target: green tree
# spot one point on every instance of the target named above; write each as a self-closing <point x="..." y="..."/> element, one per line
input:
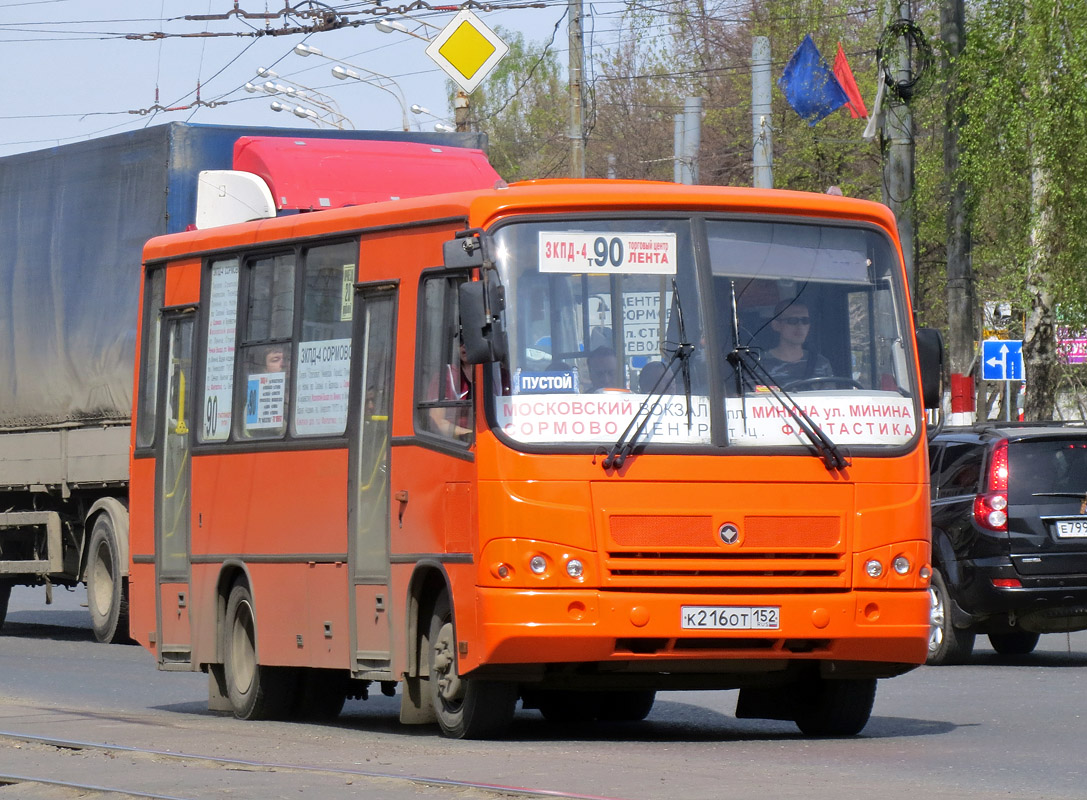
<point x="522" y="107"/>
<point x="1025" y="155"/>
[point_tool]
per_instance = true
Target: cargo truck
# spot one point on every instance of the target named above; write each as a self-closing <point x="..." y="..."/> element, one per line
<point x="73" y="222"/>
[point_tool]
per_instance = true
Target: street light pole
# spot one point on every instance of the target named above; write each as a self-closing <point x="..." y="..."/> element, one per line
<point x="354" y="72"/>
<point x="577" y="103"/>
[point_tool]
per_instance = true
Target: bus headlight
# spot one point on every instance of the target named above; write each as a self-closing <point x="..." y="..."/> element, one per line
<point x="901" y="565"/>
<point x="574" y="568"/>
<point x="538" y="565"/>
<point x="874" y="568"/>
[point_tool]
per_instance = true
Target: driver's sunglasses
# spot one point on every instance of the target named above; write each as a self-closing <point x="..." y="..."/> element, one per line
<point x="796" y="320"/>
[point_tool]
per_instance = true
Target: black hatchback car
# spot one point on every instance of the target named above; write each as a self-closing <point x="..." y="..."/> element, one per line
<point x="1009" y="536"/>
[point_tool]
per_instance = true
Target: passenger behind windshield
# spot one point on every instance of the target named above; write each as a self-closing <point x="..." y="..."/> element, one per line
<point x="603" y="370"/>
<point x="789" y="360"/>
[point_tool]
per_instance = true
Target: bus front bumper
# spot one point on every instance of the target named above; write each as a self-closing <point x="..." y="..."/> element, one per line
<point x="648" y="632"/>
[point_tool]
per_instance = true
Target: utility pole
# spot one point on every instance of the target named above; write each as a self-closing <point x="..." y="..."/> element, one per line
<point x="460" y="111"/>
<point x="762" y="156"/>
<point x="687" y="141"/>
<point x="898" y="129"/>
<point x="962" y="310"/>
<point x="577" y="103"/>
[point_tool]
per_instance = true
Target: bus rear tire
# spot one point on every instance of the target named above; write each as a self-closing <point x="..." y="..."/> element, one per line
<point x="835" y="707"/>
<point x="107" y="597"/>
<point x="255" y="691"/>
<point x="466" y="708"/>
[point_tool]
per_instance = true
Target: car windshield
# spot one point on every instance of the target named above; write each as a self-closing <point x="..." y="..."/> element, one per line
<point x="1046" y="472"/>
<point x="598" y="310"/>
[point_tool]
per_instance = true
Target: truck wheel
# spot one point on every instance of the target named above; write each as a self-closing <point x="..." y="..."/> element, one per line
<point x="255" y="691"/>
<point x="466" y="708"/>
<point x="836" y="707"/>
<point x="5" y="595"/>
<point x="946" y="643"/>
<point x="107" y="595"/>
<point x="1016" y="643"/>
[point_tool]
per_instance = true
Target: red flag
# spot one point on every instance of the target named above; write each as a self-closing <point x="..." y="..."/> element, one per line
<point x="845" y="77"/>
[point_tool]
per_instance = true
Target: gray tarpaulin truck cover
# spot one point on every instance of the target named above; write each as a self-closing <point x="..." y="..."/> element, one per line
<point x="73" y="222"/>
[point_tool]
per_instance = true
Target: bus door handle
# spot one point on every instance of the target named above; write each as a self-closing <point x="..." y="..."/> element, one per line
<point x="402" y="498"/>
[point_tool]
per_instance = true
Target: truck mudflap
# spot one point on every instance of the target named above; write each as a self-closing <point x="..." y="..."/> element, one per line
<point x="30" y="543"/>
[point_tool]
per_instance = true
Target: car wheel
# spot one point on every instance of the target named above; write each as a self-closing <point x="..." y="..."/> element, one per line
<point x="1016" y="643"/>
<point x="946" y="643"/>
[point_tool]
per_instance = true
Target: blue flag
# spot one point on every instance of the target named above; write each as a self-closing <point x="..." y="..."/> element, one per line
<point x="809" y="84"/>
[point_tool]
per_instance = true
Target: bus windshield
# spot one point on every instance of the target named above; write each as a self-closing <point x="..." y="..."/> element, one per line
<point x="698" y="324"/>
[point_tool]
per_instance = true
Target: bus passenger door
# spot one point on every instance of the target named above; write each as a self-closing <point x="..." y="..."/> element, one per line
<point x="368" y="477"/>
<point x="172" y="495"/>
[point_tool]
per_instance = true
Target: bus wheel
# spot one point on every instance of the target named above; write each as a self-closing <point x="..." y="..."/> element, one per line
<point x="626" y="706"/>
<point x="321" y="695"/>
<point x="5" y="595"/>
<point x="106" y="595"/>
<point x="255" y="691"/>
<point x="566" y="708"/>
<point x="835" y="707"/>
<point x="466" y="708"/>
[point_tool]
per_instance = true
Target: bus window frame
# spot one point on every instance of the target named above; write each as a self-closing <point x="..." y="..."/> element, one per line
<point x="245" y="254"/>
<point x="152" y="309"/>
<point x="420" y="385"/>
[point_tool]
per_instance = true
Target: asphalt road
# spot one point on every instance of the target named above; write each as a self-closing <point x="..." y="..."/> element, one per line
<point x="995" y="728"/>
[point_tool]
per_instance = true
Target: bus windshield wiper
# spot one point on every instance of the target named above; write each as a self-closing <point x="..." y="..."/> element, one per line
<point x="626" y="441"/>
<point x="831" y="454"/>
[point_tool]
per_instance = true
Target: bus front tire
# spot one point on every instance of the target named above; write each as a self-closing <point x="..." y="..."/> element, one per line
<point x="466" y="708"/>
<point x="107" y="597"/>
<point x="255" y="691"/>
<point x="836" y="707"/>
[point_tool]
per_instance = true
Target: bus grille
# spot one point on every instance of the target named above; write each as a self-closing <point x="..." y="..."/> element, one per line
<point x="772" y="552"/>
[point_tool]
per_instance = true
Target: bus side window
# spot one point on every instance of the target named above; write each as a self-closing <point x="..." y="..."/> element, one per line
<point x="265" y="350"/>
<point x="443" y="390"/>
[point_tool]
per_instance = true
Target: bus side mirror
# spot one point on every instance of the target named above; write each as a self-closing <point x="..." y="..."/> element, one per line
<point x="482" y="328"/>
<point x="930" y="355"/>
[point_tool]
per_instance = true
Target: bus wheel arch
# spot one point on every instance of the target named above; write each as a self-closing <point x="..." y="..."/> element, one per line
<point x="106" y="570"/>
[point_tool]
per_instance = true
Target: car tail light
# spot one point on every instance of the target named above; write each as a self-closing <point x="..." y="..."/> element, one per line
<point x="990" y="508"/>
<point x="1007" y="583"/>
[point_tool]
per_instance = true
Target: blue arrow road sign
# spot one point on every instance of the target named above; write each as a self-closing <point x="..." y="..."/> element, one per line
<point x="1002" y="360"/>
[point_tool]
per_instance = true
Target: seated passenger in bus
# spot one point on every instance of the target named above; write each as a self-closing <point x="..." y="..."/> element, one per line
<point x="648" y="377"/>
<point x="454" y="382"/>
<point x="789" y="360"/>
<point x="603" y="370"/>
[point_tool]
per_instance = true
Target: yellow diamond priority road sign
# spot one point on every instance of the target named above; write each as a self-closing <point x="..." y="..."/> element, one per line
<point x="467" y="50"/>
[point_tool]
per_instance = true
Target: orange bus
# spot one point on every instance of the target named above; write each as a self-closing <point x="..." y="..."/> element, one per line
<point x="562" y="443"/>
